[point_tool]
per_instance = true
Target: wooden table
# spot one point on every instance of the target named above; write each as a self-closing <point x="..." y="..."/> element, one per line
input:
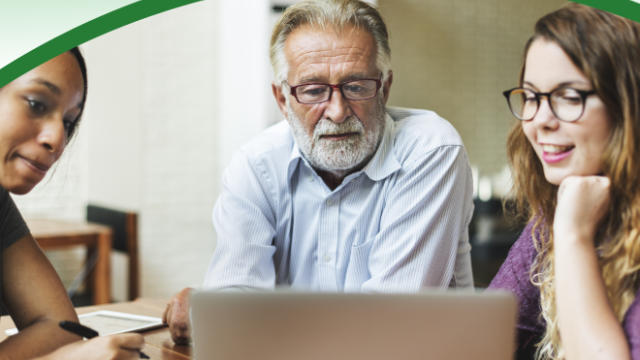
<point x="56" y="234"/>
<point x="158" y="342"/>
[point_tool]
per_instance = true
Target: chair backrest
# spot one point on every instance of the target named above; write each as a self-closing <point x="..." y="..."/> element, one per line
<point x="125" y="238"/>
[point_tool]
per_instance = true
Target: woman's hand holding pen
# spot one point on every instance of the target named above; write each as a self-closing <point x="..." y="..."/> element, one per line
<point x="110" y="347"/>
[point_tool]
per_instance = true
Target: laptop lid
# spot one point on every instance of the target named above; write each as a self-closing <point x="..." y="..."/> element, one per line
<point x="314" y="326"/>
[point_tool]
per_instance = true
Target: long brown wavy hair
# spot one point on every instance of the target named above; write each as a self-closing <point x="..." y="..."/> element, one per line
<point x="606" y="48"/>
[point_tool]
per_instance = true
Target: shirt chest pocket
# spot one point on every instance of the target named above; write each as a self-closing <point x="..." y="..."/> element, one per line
<point x="358" y="267"/>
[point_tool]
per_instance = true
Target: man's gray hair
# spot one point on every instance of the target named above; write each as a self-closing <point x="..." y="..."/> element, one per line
<point x="339" y="14"/>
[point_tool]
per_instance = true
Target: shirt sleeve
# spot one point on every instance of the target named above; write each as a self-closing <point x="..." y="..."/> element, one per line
<point x="427" y="213"/>
<point x="12" y="225"/>
<point x="513" y="276"/>
<point x="244" y="219"/>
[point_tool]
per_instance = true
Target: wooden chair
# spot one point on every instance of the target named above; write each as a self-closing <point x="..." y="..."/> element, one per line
<point x="125" y="239"/>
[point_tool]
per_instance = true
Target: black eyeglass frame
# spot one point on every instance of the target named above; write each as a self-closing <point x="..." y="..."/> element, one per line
<point x="583" y="97"/>
<point x="332" y="87"/>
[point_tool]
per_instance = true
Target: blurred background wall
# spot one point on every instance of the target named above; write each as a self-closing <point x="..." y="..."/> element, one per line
<point x="456" y="57"/>
<point x="172" y="97"/>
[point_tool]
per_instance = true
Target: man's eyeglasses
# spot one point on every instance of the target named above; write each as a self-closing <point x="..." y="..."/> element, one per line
<point x="567" y="104"/>
<point x="351" y="90"/>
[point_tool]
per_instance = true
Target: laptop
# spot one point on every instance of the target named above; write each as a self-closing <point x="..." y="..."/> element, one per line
<point x="313" y="326"/>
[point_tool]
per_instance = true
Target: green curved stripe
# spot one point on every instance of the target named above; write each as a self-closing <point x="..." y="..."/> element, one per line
<point x="85" y="32"/>
<point x="625" y="8"/>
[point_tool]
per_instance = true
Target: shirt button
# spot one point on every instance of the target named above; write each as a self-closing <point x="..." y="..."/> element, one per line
<point x="327" y="257"/>
<point x="310" y="178"/>
<point x="329" y="202"/>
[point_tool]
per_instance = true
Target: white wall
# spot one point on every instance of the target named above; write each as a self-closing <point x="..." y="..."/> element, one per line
<point x="167" y="117"/>
<point x="245" y="75"/>
<point x="153" y="138"/>
<point x="115" y="117"/>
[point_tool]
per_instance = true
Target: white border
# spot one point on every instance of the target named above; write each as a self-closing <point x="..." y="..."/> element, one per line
<point x="155" y="322"/>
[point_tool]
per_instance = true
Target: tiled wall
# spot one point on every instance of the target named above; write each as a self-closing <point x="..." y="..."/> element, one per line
<point x="181" y="177"/>
<point x="456" y="57"/>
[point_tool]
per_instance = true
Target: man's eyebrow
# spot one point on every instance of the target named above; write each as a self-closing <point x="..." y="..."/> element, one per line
<point x="357" y="77"/>
<point x="310" y="79"/>
<point x="53" y="88"/>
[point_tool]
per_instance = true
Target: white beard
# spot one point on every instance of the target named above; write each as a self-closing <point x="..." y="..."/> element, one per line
<point x="342" y="155"/>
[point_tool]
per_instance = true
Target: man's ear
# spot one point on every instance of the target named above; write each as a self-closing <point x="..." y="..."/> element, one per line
<point x="386" y="87"/>
<point x="281" y="98"/>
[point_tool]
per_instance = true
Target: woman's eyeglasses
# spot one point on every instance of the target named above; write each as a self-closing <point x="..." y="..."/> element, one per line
<point x="566" y="103"/>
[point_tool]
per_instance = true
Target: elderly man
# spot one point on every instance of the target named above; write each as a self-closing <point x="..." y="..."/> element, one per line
<point x="345" y="195"/>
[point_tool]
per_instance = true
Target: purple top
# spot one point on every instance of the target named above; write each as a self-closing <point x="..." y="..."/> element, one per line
<point x="514" y="277"/>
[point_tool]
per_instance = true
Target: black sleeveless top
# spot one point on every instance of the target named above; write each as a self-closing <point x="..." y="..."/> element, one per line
<point x="12" y="225"/>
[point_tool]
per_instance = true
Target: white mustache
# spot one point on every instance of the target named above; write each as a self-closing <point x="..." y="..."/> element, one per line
<point x="328" y="127"/>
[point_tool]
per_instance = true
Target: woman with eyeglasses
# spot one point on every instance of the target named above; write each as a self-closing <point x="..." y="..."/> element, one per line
<point x="575" y="160"/>
<point x="39" y="113"/>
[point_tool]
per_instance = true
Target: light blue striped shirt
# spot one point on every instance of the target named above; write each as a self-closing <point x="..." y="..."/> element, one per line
<point x="398" y="225"/>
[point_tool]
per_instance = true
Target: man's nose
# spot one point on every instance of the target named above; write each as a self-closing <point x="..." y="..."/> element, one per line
<point x="338" y="108"/>
<point x="53" y="135"/>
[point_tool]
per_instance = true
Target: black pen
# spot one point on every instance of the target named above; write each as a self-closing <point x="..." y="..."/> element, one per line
<point x="86" y="332"/>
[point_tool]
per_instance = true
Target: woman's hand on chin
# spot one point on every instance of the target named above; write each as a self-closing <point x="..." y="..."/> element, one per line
<point x="583" y="202"/>
<point x="588" y="326"/>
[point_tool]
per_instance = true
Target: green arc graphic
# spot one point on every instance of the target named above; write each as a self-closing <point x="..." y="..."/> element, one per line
<point x="85" y="32"/>
<point x="626" y="8"/>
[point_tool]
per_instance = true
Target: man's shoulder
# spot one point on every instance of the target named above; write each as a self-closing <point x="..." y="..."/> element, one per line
<point x="421" y="131"/>
<point x="274" y="141"/>
<point x="424" y="125"/>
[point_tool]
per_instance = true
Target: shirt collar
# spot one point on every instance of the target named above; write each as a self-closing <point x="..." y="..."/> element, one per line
<point x="295" y="158"/>
<point x="383" y="163"/>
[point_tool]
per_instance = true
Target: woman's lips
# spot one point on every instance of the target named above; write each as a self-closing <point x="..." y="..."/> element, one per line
<point x="35" y="166"/>
<point x="552" y="153"/>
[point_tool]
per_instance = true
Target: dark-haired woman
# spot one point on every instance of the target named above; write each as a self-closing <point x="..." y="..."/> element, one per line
<point x="575" y="159"/>
<point x="39" y="112"/>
